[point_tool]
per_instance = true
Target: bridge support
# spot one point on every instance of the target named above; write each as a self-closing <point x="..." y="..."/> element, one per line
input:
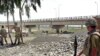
<point x="81" y="26"/>
<point x="57" y="27"/>
<point x="38" y="27"/>
<point x="67" y="26"/>
<point x="30" y="27"/>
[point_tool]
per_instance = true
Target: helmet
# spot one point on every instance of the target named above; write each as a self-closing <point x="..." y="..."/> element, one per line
<point x="91" y="22"/>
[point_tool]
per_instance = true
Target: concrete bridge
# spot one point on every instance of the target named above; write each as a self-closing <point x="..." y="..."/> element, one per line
<point x="55" y="23"/>
<point x="80" y="20"/>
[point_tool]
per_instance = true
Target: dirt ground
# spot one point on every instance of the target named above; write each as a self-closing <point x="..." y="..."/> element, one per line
<point x="40" y="45"/>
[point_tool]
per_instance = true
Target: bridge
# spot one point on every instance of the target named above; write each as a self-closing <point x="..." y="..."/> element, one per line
<point x="55" y="23"/>
<point x="80" y="20"/>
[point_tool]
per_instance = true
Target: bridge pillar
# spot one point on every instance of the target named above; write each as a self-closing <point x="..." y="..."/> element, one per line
<point x="38" y="27"/>
<point x="57" y="27"/>
<point x="67" y="26"/>
<point x="30" y="27"/>
<point x="50" y="26"/>
<point x="81" y="26"/>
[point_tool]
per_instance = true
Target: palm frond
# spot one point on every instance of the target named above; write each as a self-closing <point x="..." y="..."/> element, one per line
<point x="18" y="3"/>
<point x="34" y="7"/>
<point x="26" y="1"/>
<point x="27" y="10"/>
<point x="38" y="2"/>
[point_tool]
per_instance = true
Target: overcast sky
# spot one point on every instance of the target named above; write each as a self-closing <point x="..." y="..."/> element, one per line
<point x="61" y="8"/>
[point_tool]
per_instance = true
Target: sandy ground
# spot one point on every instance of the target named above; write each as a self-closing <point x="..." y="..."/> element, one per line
<point x="26" y="39"/>
<point x="41" y="45"/>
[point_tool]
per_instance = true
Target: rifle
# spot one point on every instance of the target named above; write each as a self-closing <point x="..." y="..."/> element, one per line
<point x="75" y="46"/>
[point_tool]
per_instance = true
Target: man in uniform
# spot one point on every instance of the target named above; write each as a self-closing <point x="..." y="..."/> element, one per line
<point x="18" y="34"/>
<point x="3" y="34"/>
<point x="92" y="42"/>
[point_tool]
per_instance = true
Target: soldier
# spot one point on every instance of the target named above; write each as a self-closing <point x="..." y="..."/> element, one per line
<point x="92" y="42"/>
<point x="3" y="34"/>
<point x="18" y="34"/>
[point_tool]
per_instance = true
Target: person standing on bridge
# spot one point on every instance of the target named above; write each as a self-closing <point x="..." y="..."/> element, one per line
<point x="18" y="34"/>
<point x="3" y="34"/>
<point x="92" y="42"/>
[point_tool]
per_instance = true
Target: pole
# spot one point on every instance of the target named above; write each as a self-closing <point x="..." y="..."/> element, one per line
<point x="55" y="10"/>
<point x="97" y="6"/>
<point x="59" y="10"/>
<point x="75" y="46"/>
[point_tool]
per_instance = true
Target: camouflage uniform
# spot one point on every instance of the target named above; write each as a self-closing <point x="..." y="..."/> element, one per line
<point x="18" y="35"/>
<point x="3" y="34"/>
<point x="1" y="40"/>
<point x="93" y="39"/>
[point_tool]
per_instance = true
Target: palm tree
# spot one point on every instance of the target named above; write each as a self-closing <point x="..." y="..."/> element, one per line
<point x="8" y="7"/>
<point x="4" y="8"/>
<point x="26" y="4"/>
<point x="12" y="10"/>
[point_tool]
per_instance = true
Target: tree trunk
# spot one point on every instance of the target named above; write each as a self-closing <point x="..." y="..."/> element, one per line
<point x="21" y="24"/>
<point x="29" y="29"/>
<point x="13" y="17"/>
<point x="8" y="27"/>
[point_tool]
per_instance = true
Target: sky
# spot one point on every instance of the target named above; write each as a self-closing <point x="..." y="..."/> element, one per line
<point x="60" y="8"/>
